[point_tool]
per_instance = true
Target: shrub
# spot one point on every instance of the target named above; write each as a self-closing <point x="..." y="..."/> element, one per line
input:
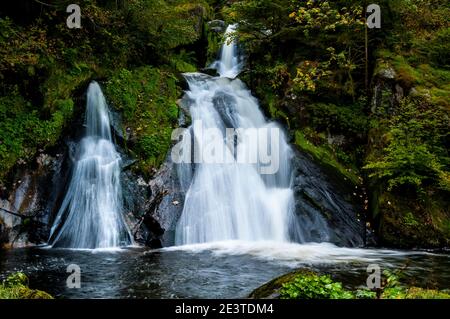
<point x="312" y="286"/>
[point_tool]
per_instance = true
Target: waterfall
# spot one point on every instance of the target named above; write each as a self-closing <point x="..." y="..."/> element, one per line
<point x="232" y="200"/>
<point x="228" y="65"/>
<point x="90" y="215"/>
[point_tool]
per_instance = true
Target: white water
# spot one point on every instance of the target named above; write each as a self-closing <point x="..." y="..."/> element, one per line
<point x="228" y="65"/>
<point x="232" y="201"/>
<point x="295" y="255"/>
<point x="91" y="212"/>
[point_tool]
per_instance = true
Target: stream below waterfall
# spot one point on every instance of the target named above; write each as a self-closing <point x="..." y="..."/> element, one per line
<point x="217" y="270"/>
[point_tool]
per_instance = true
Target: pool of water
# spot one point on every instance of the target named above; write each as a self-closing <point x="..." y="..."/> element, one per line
<point x="218" y="270"/>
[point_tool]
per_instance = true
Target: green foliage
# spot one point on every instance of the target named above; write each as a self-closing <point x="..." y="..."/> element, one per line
<point x="22" y="131"/>
<point x="414" y="154"/>
<point x="183" y="62"/>
<point x="309" y="285"/>
<point x="15" y="286"/>
<point x="44" y="66"/>
<point x="314" y="287"/>
<point x="321" y="40"/>
<point x="349" y="120"/>
<point x="437" y="48"/>
<point x="147" y="98"/>
<point x="365" y="294"/>
<point x="16" y="279"/>
<point x="168" y="25"/>
<point x="324" y="154"/>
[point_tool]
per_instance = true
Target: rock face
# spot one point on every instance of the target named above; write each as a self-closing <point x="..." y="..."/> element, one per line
<point x="217" y="26"/>
<point x="387" y="93"/>
<point x="318" y="199"/>
<point x="26" y="209"/>
<point x="153" y="208"/>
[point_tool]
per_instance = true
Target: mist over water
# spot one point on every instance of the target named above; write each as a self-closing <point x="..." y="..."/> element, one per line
<point x="91" y="213"/>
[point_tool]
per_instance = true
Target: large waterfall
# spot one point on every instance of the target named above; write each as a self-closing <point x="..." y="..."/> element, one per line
<point x="91" y="213"/>
<point x="233" y="200"/>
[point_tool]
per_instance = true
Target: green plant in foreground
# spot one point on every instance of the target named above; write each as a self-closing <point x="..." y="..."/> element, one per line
<point x="15" y="286"/>
<point x="312" y="286"/>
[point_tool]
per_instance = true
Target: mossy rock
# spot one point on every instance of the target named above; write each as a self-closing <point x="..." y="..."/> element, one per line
<point x="15" y="286"/>
<point x="147" y="99"/>
<point x="271" y="290"/>
<point x="308" y="284"/>
<point x="409" y="223"/>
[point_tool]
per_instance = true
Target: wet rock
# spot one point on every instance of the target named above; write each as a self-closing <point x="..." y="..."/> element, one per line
<point x="27" y="207"/>
<point x="324" y="211"/>
<point x="217" y="26"/>
<point x="386" y="73"/>
<point x="166" y="191"/>
<point x="151" y="213"/>
<point x="210" y="71"/>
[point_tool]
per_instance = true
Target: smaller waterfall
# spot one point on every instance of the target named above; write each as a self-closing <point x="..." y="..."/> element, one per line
<point x="228" y="65"/>
<point x="91" y="212"/>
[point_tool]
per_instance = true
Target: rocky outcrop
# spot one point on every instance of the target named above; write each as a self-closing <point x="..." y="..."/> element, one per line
<point x="26" y="208"/>
<point x="387" y="92"/>
<point x="323" y="199"/>
<point x="153" y="208"/>
<point x="217" y="26"/>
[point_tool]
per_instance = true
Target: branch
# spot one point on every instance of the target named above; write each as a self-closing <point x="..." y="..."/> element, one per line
<point x="45" y="4"/>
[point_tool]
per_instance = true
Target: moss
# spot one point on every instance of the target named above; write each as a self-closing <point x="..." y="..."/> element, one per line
<point x="420" y="293"/>
<point x="413" y="223"/>
<point x="325" y="157"/>
<point x="271" y="289"/>
<point x="15" y="286"/>
<point x="146" y="97"/>
<point x="428" y="80"/>
<point x="62" y="82"/>
<point x="307" y="284"/>
<point x="23" y="131"/>
<point x="214" y="42"/>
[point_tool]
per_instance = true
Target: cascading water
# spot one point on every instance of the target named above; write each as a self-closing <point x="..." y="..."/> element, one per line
<point x="91" y="213"/>
<point x="228" y="65"/>
<point x="233" y="200"/>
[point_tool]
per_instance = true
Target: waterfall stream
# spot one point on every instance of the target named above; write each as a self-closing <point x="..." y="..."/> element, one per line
<point x="91" y="213"/>
<point x="233" y="200"/>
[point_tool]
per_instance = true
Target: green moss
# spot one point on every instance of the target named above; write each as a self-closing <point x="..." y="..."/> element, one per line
<point x="214" y="42"/>
<point x="23" y="131"/>
<point x="420" y="223"/>
<point x="307" y="284"/>
<point x="15" y="286"/>
<point x="420" y="293"/>
<point x="147" y="98"/>
<point x="324" y="156"/>
<point x="428" y="80"/>
<point x="62" y="82"/>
